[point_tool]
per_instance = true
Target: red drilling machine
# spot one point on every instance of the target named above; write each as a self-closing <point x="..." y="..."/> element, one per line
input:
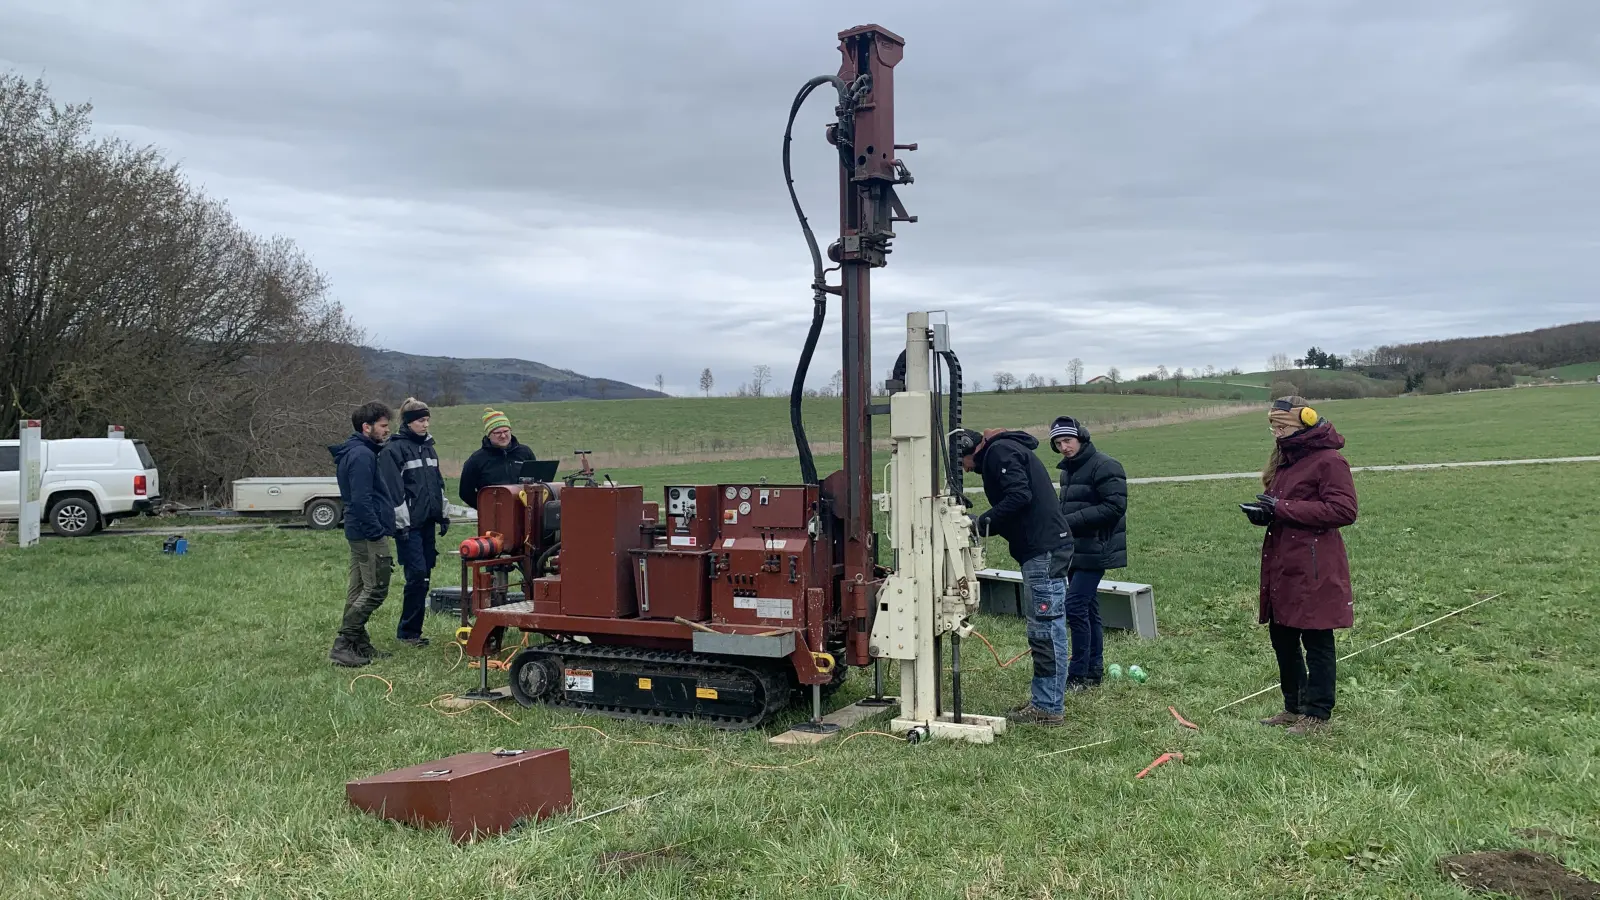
<point x="721" y="602"/>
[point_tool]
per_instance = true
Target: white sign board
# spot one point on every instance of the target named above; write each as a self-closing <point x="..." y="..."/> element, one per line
<point x="30" y="464"/>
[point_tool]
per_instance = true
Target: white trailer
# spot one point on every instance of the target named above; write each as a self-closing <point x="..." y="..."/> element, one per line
<point x="315" y="497"/>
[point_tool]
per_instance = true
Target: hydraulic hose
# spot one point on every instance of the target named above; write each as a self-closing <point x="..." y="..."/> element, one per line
<point x="955" y="476"/>
<point x="819" y="303"/>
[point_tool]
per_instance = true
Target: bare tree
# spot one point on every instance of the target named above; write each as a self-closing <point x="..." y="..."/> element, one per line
<point x="1115" y="375"/>
<point x="450" y="384"/>
<point x="1211" y="371"/>
<point x="529" y="390"/>
<point x="706" y="381"/>
<point x="1074" y="373"/>
<point x="760" y="377"/>
<point x="661" y="383"/>
<point x="129" y="296"/>
<point x="836" y="383"/>
<point x="1054" y="381"/>
<point x="1161" y="373"/>
<point x="1278" y="363"/>
<point x="975" y="387"/>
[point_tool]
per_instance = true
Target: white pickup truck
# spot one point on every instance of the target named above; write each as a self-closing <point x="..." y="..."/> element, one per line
<point x="85" y="483"/>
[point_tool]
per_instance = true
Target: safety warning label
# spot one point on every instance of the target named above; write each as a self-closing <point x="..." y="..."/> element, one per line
<point x="580" y="680"/>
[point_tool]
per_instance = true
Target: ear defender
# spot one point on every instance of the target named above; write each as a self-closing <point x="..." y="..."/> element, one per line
<point x="1308" y="416"/>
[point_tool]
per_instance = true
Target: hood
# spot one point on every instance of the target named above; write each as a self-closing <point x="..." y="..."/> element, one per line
<point x="1320" y="436"/>
<point x="350" y="443"/>
<point x="1086" y="452"/>
<point x="1000" y="434"/>
<point x="493" y="449"/>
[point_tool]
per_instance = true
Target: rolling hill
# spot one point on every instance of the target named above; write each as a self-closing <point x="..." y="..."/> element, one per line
<point x="439" y="379"/>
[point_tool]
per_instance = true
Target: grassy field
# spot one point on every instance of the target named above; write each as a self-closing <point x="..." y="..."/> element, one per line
<point x="1580" y="372"/>
<point x="171" y="728"/>
<point x="717" y="426"/>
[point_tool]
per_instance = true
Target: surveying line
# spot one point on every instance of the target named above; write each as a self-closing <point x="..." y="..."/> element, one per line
<point x="1275" y="687"/>
<point x="1371" y="647"/>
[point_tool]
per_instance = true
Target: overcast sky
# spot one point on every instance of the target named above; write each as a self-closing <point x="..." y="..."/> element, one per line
<point x="598" y="186"/>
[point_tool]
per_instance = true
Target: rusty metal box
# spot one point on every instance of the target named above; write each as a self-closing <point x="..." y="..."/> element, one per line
<point x="471" y="793"/>
<point x="500" y="509"/>
<point x="599" y="526"/>
<point x="547" y="595"/>
<point x="671" y="583"/>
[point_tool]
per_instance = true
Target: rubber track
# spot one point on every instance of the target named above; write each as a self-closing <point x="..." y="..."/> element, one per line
<point x="773" y="685"/>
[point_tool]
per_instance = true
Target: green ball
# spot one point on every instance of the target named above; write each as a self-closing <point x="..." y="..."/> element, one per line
<point x="1137" y="674"/>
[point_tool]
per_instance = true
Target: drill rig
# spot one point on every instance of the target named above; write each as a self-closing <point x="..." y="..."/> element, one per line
<point x="722" y="603"/>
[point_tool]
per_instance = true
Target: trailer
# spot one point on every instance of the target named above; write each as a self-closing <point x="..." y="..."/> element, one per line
<point x="314" y="497"/>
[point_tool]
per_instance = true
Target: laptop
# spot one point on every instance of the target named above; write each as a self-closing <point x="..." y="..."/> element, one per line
<point x="541" y="470"/>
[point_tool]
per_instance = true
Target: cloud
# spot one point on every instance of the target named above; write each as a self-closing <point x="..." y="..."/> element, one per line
<point x="597" y="186"/>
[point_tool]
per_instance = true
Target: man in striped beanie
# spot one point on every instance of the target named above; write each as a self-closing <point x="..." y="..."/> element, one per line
<point x="498" y="461"/>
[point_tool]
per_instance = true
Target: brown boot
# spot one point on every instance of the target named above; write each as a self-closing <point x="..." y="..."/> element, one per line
<point x="1032" y="715"/>
<point x="345" y="654"/>
<point x="1282" y="719"/>
<point x="1309" y="725"/>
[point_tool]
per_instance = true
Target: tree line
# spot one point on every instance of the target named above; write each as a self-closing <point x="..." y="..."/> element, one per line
<point x="128" y="296"/>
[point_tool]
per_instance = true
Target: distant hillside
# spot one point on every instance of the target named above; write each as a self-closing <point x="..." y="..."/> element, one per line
<point x="1545" y="348"/>
<point x="446" y="381"/>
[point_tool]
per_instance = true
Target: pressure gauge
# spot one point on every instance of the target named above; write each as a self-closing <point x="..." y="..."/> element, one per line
<point x="744" y="493"/>
<point x="731" y="493"/>
<point x="744" y="508"/>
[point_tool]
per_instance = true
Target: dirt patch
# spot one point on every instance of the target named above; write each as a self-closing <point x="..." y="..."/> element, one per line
<point x="1518" y="873"/>
<point x="625" y="862"/>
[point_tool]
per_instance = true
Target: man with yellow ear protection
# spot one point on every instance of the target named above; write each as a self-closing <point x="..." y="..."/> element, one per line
<point x="1305" y="574"/>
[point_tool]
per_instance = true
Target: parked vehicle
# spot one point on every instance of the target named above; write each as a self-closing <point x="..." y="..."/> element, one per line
<point x="85" y="483"/>
<point x="316" y="498"/>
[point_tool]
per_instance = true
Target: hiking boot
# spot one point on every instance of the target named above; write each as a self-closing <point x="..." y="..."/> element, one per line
<point x="418" y="641"/>
<point x="1309" y="725"/>
<point x="365" y="648"/>
<point x="1079" y="685"/>
<point x="1282" y="719"/>
<point x="1032" y="715"/>
<point x="344" y="653"/>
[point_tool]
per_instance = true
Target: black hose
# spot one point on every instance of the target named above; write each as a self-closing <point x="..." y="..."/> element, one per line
<point x="819" y="308"/>
<point x="955" y="475"/>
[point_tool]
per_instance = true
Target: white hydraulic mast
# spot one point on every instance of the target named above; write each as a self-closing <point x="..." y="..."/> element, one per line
<point x="933" y="587"/>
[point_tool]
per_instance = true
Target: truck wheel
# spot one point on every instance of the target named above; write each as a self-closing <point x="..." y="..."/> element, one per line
<point x="74" y="517"/>
<point x="322" y="515"/>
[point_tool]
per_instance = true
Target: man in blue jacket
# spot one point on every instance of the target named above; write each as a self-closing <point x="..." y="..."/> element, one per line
<point x="1023" y="510"/>
<point x="370" y="494"/>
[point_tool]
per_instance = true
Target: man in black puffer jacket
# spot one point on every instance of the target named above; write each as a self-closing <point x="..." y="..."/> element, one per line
<point x="410" y="455"/>
<point x="498" y="461"/>
<point x="1023" y="510"/>
<point x="1094" y="500"/>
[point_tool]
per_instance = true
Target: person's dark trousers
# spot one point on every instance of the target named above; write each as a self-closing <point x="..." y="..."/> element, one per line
<point x="1083" y="621"/>
<point x="1308" y="678"/>
<point x="417" y="555"/>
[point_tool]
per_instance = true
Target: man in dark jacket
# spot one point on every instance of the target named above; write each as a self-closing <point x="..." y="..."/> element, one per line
<point x="498" y="461"/>
<point x="410" y="454"/>
<point x="1094" y="500"/>
<point x="369" y="493"/>
<point x="1023" y="510"/>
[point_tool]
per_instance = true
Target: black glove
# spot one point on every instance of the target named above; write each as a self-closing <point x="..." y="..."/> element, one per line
<point x="1268" y="503"/>
<point x="444" y="525"/>
<point x="1256" y="514"/>
<point x="985" y="524"/>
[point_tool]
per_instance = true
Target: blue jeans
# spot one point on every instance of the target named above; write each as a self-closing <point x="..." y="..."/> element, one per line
<point x="1047" y="631"/>
<point x="417" y="555"/>
<point x="1083" y="618"/>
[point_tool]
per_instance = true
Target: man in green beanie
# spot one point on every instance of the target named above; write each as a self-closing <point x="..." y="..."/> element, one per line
<point x="498" y="461"/>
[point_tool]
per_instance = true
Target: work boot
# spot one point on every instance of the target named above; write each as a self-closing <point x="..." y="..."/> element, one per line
<point x="1308" y="725"/>
<point x="1079" y="685"/>
<point x="1032" y="715"/>
<point x="1282" y="719"/>
<point x="344" y="653"/>
<point x="418" y="642"/>
<point x="364" y="647"/>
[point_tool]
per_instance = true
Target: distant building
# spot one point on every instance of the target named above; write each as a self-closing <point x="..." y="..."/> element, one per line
<point x="1099" y="379"/>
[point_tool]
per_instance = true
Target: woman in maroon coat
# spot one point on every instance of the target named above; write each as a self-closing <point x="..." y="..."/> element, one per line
<point x="1305" y="575"/>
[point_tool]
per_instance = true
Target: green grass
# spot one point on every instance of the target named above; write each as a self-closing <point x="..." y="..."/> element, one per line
<point x="171" y="728"/>
<point x="715" y="425"/>
<point x="1581" y="372"/>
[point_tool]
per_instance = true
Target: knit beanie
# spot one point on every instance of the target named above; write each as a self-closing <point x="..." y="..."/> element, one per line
<point x="1290" y="417"/>
<point x="494" y="418"/>
<point x="1067" y="427"/>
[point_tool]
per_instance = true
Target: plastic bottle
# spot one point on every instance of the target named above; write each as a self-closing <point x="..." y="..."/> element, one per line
<point x="1114" y="671"/>
<point x="1137" y="674"/>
